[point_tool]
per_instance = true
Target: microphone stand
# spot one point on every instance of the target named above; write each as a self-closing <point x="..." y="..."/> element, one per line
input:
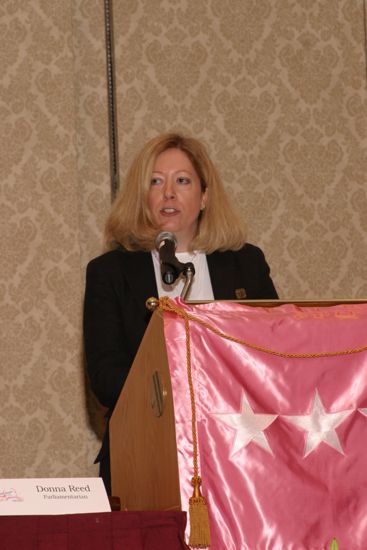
<point x="171" y="268"/>
<point x="188" y="272"/>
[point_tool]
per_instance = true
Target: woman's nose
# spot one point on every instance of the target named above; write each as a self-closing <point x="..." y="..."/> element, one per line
<point x="169" y="191"/>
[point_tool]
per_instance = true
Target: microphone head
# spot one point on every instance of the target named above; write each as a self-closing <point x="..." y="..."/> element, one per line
<point x="165" y="236"/>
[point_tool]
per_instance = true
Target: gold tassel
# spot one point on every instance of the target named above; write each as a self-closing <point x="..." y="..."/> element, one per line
<point x="199" y="517"/>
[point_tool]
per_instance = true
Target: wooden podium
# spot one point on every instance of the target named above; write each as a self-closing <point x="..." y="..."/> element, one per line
<point x="144" y="468"/>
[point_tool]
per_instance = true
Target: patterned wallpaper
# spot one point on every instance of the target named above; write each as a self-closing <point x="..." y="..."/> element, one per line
<point x="277" y="90"/>
<point x="54" y="179"/>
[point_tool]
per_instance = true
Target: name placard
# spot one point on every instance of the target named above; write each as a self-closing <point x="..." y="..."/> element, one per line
<point x="48" y="496"/>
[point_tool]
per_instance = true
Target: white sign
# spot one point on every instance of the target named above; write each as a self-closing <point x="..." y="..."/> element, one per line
<point x="23" y="497"/>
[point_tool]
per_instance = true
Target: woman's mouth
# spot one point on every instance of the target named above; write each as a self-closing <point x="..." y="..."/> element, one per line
<point x="168" y="211"/>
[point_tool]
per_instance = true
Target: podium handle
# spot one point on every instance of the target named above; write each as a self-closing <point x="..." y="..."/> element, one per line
<point x="158" y="394"/>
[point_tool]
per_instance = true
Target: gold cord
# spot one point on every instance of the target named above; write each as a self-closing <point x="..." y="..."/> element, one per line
<point x="166" y="304"/>
<point x="198" y="511"/>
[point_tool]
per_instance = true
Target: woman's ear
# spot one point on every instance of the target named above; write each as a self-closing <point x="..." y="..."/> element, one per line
<point x="204" y="199"/>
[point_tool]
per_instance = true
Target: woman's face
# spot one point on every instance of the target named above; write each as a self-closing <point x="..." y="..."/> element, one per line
<point x="175" y="197"/>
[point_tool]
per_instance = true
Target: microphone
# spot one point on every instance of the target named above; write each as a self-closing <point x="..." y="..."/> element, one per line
<point x="166" y="244"/>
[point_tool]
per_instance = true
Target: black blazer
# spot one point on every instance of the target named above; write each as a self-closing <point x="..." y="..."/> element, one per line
<point x="115" y="317"/>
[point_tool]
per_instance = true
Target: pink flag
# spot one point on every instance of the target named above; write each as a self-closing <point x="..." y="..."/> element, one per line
<point x="282" y="440"/>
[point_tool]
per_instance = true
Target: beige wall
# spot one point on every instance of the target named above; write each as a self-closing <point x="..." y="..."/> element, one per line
<point x="278" y="92"/>
<point x="54" y="196"/>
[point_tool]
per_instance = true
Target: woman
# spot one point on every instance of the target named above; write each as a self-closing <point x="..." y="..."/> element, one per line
<point x="172" y="185"/>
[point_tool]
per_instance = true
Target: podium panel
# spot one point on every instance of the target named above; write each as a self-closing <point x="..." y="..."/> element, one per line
<point x="144" y="469"/>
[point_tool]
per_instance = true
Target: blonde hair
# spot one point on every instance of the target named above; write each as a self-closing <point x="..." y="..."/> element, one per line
<point x="130" y="224"/>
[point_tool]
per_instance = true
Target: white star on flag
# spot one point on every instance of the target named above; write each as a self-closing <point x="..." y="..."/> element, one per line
<point x="249" y="426"/>
<point x="320" y="426"/>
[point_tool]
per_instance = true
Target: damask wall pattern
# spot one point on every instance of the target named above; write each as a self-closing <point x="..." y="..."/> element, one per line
<point x="54" y="196"/>
<point x="277" y="90"/>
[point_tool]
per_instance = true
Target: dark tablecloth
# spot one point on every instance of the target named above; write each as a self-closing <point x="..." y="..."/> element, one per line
<point x="104" y="531"/>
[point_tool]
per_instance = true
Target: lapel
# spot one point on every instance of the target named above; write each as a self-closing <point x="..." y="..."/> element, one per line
<point x="222" y="271"/>
<point x="139" y="272"/>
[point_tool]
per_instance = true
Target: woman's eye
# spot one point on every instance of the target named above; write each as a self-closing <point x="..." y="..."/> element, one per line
<point x="183" y="181"/>
<point x="155" y="181"/>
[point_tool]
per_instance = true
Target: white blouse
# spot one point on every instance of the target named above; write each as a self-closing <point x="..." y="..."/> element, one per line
<point x="201" y="288"/>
